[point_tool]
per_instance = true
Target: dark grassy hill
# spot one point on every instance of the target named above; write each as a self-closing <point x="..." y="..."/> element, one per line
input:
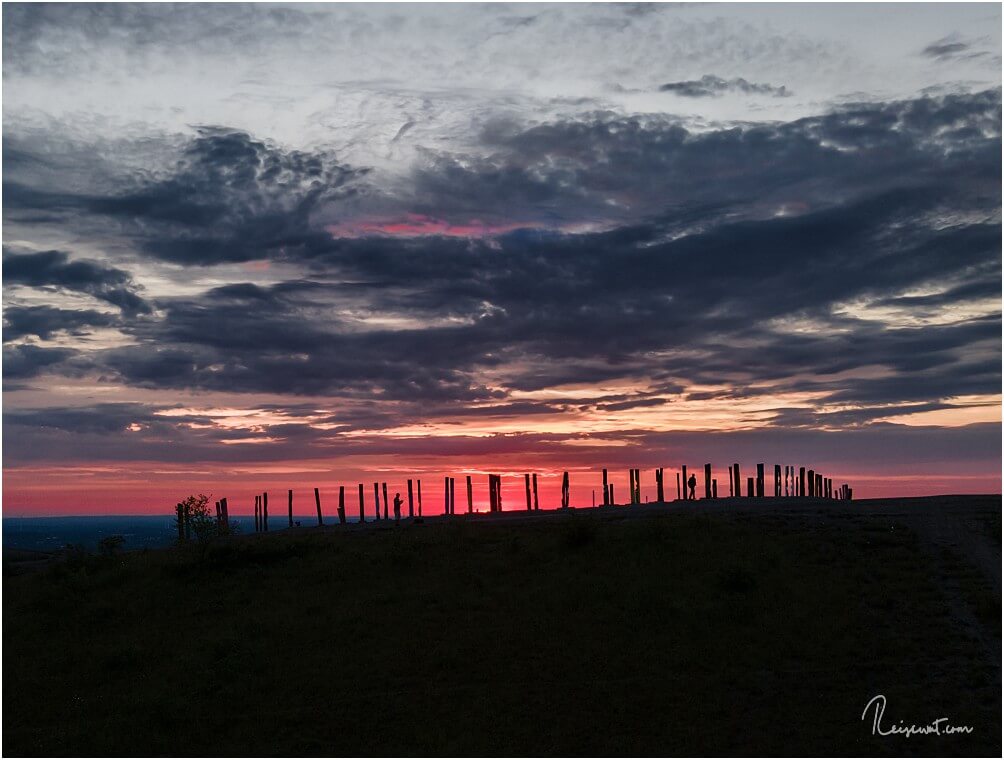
<point x="672" y="632"/>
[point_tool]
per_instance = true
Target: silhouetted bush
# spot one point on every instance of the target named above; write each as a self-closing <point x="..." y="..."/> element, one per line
<point x="109" y="546"/>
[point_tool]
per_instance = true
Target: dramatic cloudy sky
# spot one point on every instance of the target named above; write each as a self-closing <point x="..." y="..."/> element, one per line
<point x="251" y="247"/>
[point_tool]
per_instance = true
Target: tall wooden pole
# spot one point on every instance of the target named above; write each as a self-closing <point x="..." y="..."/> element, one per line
<point x="317" y="503"/>
<point x="759" y="480"/>
<point x="419" y="498"/>
<point x="264" y="511"/>
<point x="341" y="504"/>
<point x="376" y="501"/>
<point x="536" y="503"/>
<point x="362" y="504"/>
<point x="686" y="487"/>
<point x="385" y="515"/>
<point x="606" y="492"/>
<point x="470" y="495"/>
<point x="411" y="500"/>
<point x="526" y="484"/>
<point x="707" y="481"/>
<point x="290" y="507"/>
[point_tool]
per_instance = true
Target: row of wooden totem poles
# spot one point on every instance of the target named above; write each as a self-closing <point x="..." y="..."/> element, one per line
<point x="788" y="481"/>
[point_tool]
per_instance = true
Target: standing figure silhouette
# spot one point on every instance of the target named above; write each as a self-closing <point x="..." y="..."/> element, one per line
<point x="692" y="484"/>
<point x="397" y="507"/>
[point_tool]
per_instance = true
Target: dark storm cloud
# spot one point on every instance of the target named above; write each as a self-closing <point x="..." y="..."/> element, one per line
<point x="44" y="321"/>
<point x="953" y="48"/>
<point x="608" y="169"/>
<point x="710" y="86"/>
<point x="28" y="361"/>
<point x="55" y="269"/>
<point x="227" y="198"/>
<point x="232" y="198"/>
<point x="716" y="239"/>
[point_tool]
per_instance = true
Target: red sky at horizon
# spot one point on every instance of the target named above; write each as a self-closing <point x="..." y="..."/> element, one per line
<point x="119" y="492"/>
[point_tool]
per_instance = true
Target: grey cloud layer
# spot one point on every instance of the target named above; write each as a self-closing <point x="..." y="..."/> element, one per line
<point x="710" y="86"/>
<point x="710" y="244"/>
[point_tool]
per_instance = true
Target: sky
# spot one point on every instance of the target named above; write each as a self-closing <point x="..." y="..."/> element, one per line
<point x="262" y="247"/>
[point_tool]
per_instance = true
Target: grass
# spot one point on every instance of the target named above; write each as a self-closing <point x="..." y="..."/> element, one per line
<point x="661" y="635"/>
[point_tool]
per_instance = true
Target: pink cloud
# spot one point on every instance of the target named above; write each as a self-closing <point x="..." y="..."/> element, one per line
<point x="417" y="225"/>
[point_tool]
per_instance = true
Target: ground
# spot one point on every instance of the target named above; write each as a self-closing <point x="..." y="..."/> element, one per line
<point x="739" y="627"/>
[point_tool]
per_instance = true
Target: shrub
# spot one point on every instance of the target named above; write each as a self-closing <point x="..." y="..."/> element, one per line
<point x="109" y="546"/>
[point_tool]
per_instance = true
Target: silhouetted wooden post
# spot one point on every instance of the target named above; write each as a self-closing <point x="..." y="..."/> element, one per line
<point x="446" y="495"/>
<point x="526" y="484"/>
<point x="216" y="506"/>
<point x="257" y="514"/>
<point x="317" y="503"/>
<point x="341" y="504"/>
<point x="376" y="501"/>
<point x="411" y="500"/>
<point x="732" y="481"/>
<point x="419" y="497"/>
<point x="819" y="486"/>
<point x="290" y="507"/>
<point x="801" y="481"/>
<point x="564" y="491"/>
<point x="362" y="504"/>
<point x="707" y="481"/>
<point x="686" y="488"/>
<point x="660" y="494"/>
<point x="491" y="493"/>
<point x="759" y="480"/>
<point x="453" y="494"/>
<point x="749" y="487"/>
<point x="777" y="481"/>
<point x="226" y="515"/>
<point x="470" y="495"/>
<point x="739" y="482"/>
<point x="606" y="491"/>
<point x="812" y="482"/>
<point x="678" y="495"/>
<point x="536" y="503"/>
<point x="385" y="515"/>
<point x="714" y="488"/>
<point x="180" y="509"/>
<point x="264" y="511"/>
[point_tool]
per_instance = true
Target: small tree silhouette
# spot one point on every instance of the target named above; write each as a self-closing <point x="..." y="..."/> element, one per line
<point x="192" y="518"/>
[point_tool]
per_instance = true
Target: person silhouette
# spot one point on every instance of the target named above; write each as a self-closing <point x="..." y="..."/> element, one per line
<point x="397" y="506"/>
<point x="692" y="484"/>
